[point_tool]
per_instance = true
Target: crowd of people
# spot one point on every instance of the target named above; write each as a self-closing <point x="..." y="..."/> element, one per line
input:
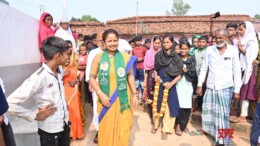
<point x="212" y="74"/>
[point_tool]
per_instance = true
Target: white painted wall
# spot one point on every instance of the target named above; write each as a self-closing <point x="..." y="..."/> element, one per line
<point x="19" y="58"/>
<point x="18" y="37"/>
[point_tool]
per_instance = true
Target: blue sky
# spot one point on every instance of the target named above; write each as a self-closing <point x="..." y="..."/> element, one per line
<point x="113" y="9"/>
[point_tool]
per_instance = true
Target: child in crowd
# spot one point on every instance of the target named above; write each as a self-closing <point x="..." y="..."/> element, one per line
<point x="232" y="33"/>
<point x="132" y="43"/>
<point x="45" y="86"/>
<point x="177" y="48"/>
<point x="87" y="38"/>
<point x="199" y="56"/>
<point x="233" y="40"/>
<point x="70" y="82"/>
<point x="195" y="44"/>
<point x="81" y="67"/>
<point x="139" y="51"/>
<point x="82" y="62"/>
<point x="94" y="40"/>
<point x="185" y="89"/>
<point x="147" y="43"/>
<point x="90" y="46"/>
<point x="74" y="32"/>
<point x="80" y="40"/>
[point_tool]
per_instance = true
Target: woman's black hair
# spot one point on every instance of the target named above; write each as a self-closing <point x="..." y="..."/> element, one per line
<point x="170" y="37"/>
<point x="109" y="31"/>
<point x="68" y="42"/>
<point x="157" y="38"/>
<point x="187" y="43"/>
<point x="183" y="38"/>
<point x="47" y="15"/>
<point x="243" y="24"/>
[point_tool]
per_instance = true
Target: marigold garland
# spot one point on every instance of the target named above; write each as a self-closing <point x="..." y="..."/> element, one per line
<point x="155" y="100"/>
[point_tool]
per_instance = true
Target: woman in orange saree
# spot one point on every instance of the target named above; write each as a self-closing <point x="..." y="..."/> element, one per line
<point x="72" y="94"/>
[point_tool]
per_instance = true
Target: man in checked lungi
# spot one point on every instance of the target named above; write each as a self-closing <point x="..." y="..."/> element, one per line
<point x="221" y="62"/>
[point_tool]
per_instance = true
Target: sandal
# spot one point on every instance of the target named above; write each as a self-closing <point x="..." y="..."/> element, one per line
<point x="149" y="101"/>
<point x="187" y="130"/>
<point x="153" y="131"/>
<point x="196" y="132"/>
<point x="178" y="132"/>
<point x="241" y="119"/>
<point x="233" y="120"/>
<point x="164" y="136"/>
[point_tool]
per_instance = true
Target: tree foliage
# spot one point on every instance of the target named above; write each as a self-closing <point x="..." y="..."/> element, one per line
<point x="85" y="18"/>
<point x="179" y="8"/>
<point x="257" y="16"/>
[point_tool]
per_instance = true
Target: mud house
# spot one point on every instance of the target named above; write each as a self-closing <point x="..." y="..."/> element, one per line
<point x="148" y="26"/>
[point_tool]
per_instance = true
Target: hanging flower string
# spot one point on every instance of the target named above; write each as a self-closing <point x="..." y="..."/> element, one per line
<point x="155" y="100"/>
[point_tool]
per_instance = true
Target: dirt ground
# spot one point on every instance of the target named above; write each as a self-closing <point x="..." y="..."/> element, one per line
<point x="141" y="135"/>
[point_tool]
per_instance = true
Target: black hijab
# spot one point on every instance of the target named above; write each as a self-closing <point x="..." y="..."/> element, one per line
<point x="172" y="63"/>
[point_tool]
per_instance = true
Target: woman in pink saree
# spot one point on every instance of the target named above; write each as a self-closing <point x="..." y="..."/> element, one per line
<point x="46" y="30"/>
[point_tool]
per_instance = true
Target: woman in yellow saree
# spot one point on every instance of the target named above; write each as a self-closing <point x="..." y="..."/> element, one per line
<point x="115" y="89"/>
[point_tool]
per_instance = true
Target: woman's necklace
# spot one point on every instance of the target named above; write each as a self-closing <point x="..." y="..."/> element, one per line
<point x="111" y="56"/>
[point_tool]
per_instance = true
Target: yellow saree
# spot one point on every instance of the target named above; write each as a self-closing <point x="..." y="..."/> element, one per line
<point x="115" y="127"/>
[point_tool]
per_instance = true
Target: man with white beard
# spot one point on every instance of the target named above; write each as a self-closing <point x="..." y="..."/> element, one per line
<point x="221" y="63"/>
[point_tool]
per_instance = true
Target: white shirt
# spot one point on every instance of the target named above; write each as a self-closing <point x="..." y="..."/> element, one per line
<point x="124" y="46"/>
<point x="199" y="57"/>
<point x="91" y="57"/>
<point x="223" y="70"/>
<point x="3" y="88"/>
<point x="46" y="89"/>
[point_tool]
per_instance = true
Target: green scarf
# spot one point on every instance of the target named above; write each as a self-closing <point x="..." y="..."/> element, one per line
<point x="192" y="51"/>
<point x="104" y="77"/>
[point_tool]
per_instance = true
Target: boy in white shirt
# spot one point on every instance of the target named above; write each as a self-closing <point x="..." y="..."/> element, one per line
<point x="46" y="87"/>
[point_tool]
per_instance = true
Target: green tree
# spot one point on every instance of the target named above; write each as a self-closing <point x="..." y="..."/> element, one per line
<point x="257" y="16"/>
<point x="85" y="18"/>
<point x="179" y="8"/>
<point x="89" y="18"/>
<point x="75" y="19"/>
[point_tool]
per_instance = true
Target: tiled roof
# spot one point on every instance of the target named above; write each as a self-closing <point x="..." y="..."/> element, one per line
<point x="162" y="24"/>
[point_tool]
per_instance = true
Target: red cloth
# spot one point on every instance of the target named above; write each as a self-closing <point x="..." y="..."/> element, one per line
<point x="44" y="33"/>
<point x="139" y="52"/>
<point x="75" y="36"/>
<point x="82" y="62"/>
